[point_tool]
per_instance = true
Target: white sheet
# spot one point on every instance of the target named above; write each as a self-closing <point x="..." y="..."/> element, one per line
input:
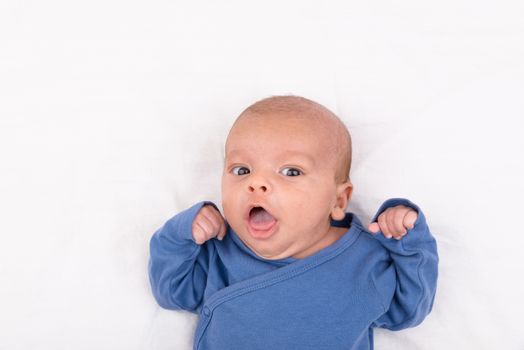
<point x="113" y="116"/>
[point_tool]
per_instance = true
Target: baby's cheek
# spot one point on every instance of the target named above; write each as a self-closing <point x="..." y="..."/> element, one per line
<point x="232" y="215"/>
<point x="315" y="213"/>
<point x="227" y="211"/>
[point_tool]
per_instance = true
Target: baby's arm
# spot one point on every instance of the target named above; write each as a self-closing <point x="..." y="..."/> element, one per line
<point x="408" y="290"/>
<point x="178" y="266"/>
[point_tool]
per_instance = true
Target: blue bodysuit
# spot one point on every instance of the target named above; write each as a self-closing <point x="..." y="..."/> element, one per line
<point x="330" y="300"/>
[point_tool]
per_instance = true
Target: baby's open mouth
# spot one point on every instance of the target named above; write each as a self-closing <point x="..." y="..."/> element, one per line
<point x="261" y="222"/>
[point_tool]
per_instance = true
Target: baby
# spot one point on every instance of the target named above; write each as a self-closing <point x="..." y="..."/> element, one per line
<point x="288" y="268"/>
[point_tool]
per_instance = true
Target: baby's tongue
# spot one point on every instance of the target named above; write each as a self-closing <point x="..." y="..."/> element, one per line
<point x="260" y="219"/>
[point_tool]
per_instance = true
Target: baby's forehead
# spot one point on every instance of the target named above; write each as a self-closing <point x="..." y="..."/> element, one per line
<point x="311" y="122"/>
<point x="285" y="135"/>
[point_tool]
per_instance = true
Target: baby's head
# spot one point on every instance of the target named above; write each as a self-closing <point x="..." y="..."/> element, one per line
<point x="286" y="175"/>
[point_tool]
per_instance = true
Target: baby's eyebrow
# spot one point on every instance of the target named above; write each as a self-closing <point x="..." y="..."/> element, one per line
<point x="298" y="154"/>
<point x="234" y="153"/>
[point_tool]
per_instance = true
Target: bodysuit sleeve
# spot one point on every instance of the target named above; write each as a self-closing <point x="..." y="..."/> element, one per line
<point x="178" y="266"/>
<point x="408" y="290"/>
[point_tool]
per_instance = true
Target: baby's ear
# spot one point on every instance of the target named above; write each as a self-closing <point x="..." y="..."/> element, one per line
<point x="344" y="192"/>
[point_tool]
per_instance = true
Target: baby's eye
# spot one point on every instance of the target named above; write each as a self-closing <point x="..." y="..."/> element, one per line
<point x="290" y="171"/>
<point x="240" y="170"/>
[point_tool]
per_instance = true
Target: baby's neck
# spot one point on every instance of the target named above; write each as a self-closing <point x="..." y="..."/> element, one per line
<point x="331" y="236"/>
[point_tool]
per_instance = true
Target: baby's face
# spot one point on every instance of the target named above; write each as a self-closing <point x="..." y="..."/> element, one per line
<point x="278" y="186"/>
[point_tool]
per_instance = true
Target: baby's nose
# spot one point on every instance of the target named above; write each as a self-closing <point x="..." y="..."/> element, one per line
<point x="258" y="184"/>
<point x="253" y="188"/>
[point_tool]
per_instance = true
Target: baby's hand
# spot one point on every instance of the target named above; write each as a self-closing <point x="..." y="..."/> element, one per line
<point x="208" y="223"/>
<point x="394" y="222"/>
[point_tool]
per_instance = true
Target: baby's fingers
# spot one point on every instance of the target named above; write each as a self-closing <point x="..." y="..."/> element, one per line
<point x="374" y="227"/>
<point x="221" y="224"/>
<point x="395" y="218"/>
<point x="202" y="229"/>
<point x="395" y="222"/>
<point x="383" y="224"/>
<point x="199" y="234"/>
<point x="409" y="219"/>
<point x="208" y="223"/>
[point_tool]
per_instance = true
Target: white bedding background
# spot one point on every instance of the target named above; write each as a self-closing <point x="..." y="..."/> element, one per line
<point x="113" y="115"/>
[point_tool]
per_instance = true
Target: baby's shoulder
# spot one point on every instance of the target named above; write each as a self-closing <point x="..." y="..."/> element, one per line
<point x="366" y="243"/>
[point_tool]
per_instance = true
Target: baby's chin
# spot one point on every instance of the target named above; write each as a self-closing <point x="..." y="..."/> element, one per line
<point x="272" y="256"/>
<point x="266" y="250"/>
